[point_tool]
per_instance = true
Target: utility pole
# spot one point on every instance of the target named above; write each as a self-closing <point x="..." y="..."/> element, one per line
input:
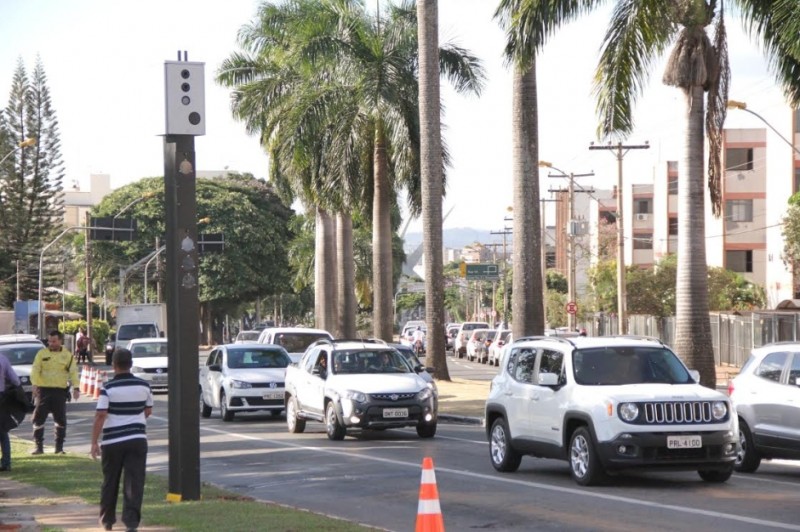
<point x="621" y="150"/>
<point x="544" y="251"/>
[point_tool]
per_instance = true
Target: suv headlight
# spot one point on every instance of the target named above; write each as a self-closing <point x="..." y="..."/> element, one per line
<point x="425" y="394"/>
<point x="719" y="409"/>
<point x="240" y="384"/>
<point x="628" y="411"/>
<point x="358" y="397"/>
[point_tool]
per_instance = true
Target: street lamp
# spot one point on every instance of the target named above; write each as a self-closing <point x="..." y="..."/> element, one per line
<point x="742" y="106"/>
<point x="30" y="141"/>
<point x="40" y="310"/>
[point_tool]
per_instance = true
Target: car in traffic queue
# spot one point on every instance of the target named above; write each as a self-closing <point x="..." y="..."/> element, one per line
<point x="766" y="395"/>
<point x="243" y="337"/>
<point x="463" y="336"/>
<point x="295" y="340"/>
<point x="496" y="349"/>
<point x="478" y="345"/>
<point x="150" y="361"/>
<point x="450" y="336"/>
<point x="21" y="353"/>
<point x="358" y="384"/>
<point x="243" y="378"/>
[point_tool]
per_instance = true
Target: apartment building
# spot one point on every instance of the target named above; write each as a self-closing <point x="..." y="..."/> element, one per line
<point x="78" y="202"/>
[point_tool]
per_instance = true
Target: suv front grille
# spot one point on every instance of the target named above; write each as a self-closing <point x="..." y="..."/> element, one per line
<point x="392" y="396"/>
<point x="677" y="413"/>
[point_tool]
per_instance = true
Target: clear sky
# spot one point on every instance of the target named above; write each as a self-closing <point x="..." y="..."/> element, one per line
<point x="104" y="62"/>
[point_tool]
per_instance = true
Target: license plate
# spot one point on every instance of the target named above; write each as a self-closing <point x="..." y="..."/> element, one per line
<point x="395" y="412"/>
<point x="272" y="395"/>
<point x="684" y="442"/>
<point x="159" y="378"/>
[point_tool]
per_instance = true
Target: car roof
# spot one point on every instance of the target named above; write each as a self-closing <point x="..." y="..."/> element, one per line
<point x="26" y="343"/>
<point x="18" y="338"/>
<point x="147" y="341"/>
<point x="252" y="345"/>
<point x="296" y="330"/>
<point x="775" y="347"/>
<point x="249" y="331"/>
<point x="581" y="342"/>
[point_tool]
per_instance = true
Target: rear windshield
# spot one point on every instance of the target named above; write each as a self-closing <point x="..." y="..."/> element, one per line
<point x="257" y="358"/>
<point x="628" y="365"/>
<point x="142" y="330"/>
<point x="20" y="354"/>
<point x="297" y="342"/>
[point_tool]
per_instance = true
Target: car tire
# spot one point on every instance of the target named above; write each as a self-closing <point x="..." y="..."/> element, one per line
<point x="503" y="455"/>
<point x="336" y="431"/>
<point x="295" y="424"/>
<point x="715" y="476"/>
<point x="205" y="410"/>
<point x="584" y="464"/>
<point x="747" y="459"/>
<point x="426" y="430"/>
<point x="227" y="415"/>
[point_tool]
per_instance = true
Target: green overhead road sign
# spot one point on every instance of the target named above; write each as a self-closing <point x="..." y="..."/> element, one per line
<point x="482" y="272"/>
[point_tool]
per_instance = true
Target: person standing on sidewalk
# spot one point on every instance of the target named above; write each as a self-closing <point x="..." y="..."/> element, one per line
<point x="124" y="405"/>
<point x="53" y="371"/>
<point x="8" y="378"/>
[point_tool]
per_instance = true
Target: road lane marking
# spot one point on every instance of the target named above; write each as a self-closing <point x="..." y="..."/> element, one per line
<point x="559" y="489"/>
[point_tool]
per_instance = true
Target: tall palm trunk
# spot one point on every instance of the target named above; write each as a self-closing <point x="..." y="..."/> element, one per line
<point x="324" y="272"/>
<point x="692" y="325"/>
<point x="381" y="240"/>
<point x="431" y="166"/>
<point x="345" y="273"/>
<point x="527" y="302"/>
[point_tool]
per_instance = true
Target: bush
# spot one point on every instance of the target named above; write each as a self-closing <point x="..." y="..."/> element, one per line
<point x="100" y="331"/>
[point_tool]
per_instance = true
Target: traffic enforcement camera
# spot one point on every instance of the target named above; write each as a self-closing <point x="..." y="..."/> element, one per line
<point x="185" y="98"/>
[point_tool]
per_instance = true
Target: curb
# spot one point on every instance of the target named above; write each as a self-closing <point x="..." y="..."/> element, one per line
<point x="460" y="420"/>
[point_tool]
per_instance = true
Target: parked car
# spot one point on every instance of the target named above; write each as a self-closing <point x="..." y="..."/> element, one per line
<point x="150" y="361"/>
<point x="607" y="404"/>
<point x="496" y="349"/>
<point x="21" y="355"/>
<point x="462" y="337"/>
<point x="243" y="378"/>
<point x="478" y="345"/>
<point x="245" y="337"/>
<point x="766" y="395"/>
<point x="294" y="339"/>
<point x="450" y="337"/>
<point x="416" y="364"/>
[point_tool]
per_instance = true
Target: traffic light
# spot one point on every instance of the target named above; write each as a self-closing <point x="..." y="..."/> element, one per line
<point x="185" y="98"/>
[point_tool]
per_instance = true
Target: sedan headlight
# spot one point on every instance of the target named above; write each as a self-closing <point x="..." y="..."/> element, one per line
<point x="628" y="411"/>
<point x="719" y="409"/>
<point x="137" y="369"/>
<point x="425" y="394"/>
<point x="240" y="384"/>
<point x="355" y="396"/>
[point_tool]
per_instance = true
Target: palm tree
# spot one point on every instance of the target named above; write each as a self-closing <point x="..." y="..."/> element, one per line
<point x="640" y="31"/>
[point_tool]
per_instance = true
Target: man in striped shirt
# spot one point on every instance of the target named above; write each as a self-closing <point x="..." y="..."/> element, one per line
<point x="124" y="405"/>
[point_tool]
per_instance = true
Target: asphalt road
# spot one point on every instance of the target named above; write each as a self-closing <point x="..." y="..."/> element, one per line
<point x="374" y="477"/>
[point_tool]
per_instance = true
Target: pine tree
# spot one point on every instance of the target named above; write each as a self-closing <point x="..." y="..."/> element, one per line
<point x="31" y="192"/>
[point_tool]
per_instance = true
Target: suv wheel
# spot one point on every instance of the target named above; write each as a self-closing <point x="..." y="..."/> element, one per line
<point x="293" y="422"/>
<point x="426" y="430"/>
<point x="227" y="414"/>
<point x="584" y="464"/>
<point x="335" y="430"/>
<point x="504" y="457"/>
<point x="747" y="459"/>
<point x="715" y="475"/>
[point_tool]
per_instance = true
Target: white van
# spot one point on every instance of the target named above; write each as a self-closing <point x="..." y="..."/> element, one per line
<point x="294" y="339"/>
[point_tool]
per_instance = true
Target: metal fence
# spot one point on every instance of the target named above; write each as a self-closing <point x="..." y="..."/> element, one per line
<point x="733" y="334"/>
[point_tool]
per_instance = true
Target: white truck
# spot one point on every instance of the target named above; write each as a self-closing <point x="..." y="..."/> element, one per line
<point x="147" y="320"/>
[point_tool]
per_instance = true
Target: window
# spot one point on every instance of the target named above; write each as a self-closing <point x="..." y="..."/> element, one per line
<point x="738" y="159"/>
<point x="797" y="120"/>
<point x="739" y="210"/>
<point x="644" y="206"/>
<point x="794" y="370"/>
<point x="523" y="361"/>
<point x="673" y="226"/>
<point x="609" y="217"/>
<point x="772" y="367"/>
<point x="643" y="241"/>
<point x="796" y="180"/>
<point x="550" y="257"/>
<point x="551" y="362"/>
<point x="739" y="261"/>
<point x="672" y="185"/>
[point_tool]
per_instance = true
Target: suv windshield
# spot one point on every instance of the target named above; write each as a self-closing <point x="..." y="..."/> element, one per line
<point x="20" y="354"/>
<point x="257" y="358"/>
<point x="361" y="361"/>
<point x="628" y="365"/>
<point x="149" y="349"/>
<point x="142" y="330"/>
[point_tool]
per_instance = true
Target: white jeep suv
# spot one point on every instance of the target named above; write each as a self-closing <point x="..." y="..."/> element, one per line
<point x="607" y="404"/>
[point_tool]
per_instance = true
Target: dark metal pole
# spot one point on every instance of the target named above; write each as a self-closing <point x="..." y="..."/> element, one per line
<point x="183" y="317"/>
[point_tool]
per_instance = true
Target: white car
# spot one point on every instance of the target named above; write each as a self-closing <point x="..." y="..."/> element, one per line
<point x="462" y="337"/>
<point x="496" y="349"/>
<point x="21" y="355"/>
<point x="150" y="361"/>
<point x="246" y="337"/>
<point x="243" y="378"/>
<point x="478" y="345"/>
<point x="294" y="339"/>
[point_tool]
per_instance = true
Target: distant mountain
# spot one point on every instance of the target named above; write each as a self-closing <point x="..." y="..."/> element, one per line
<point x="456" y="238"/>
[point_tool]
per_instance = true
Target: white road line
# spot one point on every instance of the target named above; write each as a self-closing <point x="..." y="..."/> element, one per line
<point x="529" y="484"/>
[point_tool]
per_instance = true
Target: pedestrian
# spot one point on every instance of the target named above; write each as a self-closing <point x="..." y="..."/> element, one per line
<point x="125" y="403"/>
<point x="9" y="381"/>
<point x="81" y="346"/>
<point x="52" y="374"/>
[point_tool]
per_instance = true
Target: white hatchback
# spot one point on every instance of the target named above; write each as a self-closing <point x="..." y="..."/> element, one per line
<point x="243" y="378"/>
<point x="150" y="361"/>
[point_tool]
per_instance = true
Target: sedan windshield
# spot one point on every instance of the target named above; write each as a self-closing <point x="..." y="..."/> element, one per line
<point x="628" y="365"/>
<point x="257" y="358"/>
<point x="383" y="361"/>
<point x="20" y="354"/>
<point x="149" y="349"/>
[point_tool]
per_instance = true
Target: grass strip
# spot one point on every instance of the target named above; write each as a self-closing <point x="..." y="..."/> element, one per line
<point x="80" y="476"/>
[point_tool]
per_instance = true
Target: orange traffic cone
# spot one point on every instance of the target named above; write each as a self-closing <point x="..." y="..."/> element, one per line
<point x="429" y="513"/>
<point x="98" y="384"/>
<point x="90" y="382"/>
<point x="82" y="386"/>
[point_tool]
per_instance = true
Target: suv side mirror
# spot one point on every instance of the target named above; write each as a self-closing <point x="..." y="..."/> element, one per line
<point x="214" y="367"/>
